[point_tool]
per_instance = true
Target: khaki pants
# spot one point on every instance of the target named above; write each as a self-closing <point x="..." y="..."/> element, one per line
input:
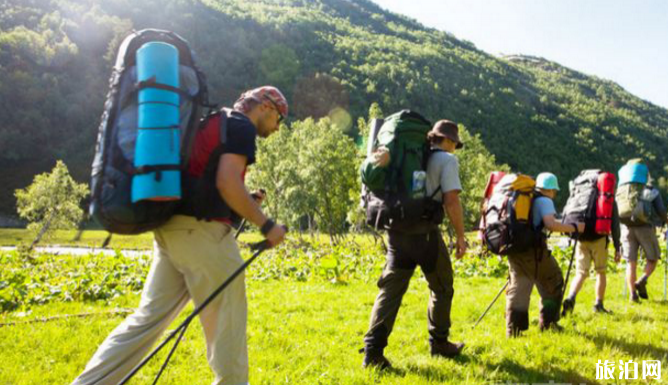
<point x="526" y="270"/>
<point x="191" y="259"/>
<point x="405" y="253"/>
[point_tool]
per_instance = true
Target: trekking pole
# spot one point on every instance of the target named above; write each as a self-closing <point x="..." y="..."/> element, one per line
<point x="665" y="269"/>
<point x="568" y="273"/>
<point x="181" y="329"/>
<point x="624" y="280"/>
<point x="243" y="222"/>
<point x="491" y="304"/>
<point x="240" y="229"/>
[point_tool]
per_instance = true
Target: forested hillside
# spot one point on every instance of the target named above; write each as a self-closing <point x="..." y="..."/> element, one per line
<point x="327" y="55"/>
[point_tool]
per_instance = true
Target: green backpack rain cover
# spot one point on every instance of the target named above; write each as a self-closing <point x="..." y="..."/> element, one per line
<point x="404" y="134"/>
<point x="396" y="194"/>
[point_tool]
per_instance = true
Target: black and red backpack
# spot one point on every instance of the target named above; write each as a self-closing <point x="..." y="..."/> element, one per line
<point x="201" y="196"/>
<point x="591" y="200"/>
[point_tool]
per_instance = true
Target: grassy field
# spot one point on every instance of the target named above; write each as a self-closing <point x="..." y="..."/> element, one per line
<point x="309" y="333"/>
<point x="306" y="325"/>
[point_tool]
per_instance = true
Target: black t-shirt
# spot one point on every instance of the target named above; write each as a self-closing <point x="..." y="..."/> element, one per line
<point x="241" y="134"/>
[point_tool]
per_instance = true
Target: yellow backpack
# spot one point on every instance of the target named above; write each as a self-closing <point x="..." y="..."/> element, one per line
<point x="507" y="224"/>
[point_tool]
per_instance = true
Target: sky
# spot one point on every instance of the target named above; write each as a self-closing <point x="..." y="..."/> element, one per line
<point x="625" y="41"/>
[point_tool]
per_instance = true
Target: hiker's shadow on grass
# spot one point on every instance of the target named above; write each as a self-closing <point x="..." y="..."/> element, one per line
<point x="434" y="371"/>
<point x="633" y="348"/>
<point x="521" y="374"/>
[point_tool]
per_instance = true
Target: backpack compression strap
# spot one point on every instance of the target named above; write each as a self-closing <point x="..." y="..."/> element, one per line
<point x="152" y="83"/>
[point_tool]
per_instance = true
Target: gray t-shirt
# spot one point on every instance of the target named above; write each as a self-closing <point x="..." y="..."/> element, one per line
<point x="542" y="206"/>
<point x="442" y="170"/>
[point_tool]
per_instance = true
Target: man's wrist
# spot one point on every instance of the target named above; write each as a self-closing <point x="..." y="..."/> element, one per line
<point x="267" y="226"/>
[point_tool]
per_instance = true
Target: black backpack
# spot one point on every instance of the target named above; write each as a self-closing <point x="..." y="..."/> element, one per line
<point x="581" y="203"/>
<point x="113" y="167"/>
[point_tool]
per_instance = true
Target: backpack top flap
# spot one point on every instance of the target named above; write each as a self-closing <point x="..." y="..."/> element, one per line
<point x="583" y="191"/>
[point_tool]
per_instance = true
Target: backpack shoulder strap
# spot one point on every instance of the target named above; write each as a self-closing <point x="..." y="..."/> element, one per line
<point x="224" y="114"/>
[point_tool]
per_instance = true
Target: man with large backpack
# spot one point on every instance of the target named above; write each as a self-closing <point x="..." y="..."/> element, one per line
<point x="192" y="256"/>
<point x="535" y="265"/>
<point x="417" y="245"/>
<point x="592" y="200"/>
<point x="641" y="209"/>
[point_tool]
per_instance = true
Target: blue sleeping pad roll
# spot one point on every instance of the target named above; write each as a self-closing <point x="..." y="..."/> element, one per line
<point x="633" y="173"/>
<point x="158" y="136"/>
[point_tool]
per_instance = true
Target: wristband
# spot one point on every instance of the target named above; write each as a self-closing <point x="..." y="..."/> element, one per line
<point x="267" y="226"/>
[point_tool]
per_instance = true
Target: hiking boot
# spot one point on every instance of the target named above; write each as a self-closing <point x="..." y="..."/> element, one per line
<point x="374" y="358"/>
<point x="634" y="297"/>
<point x="552" y="326"/>
<point x="568" y="306"/>
<point x="598" y="308"/>
<point x="641" y="288"/>
<point x="446" y="349"/>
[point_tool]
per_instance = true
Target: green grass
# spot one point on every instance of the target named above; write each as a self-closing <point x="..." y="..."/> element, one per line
<point x="91" y="239"/>
<point x="309" y="333"/>
<point x="309" y="306"/>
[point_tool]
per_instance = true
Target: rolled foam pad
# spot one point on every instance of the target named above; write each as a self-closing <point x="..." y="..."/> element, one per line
<point x="158" y="137"/>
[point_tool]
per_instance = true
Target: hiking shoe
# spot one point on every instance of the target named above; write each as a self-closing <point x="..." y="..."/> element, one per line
<point x="568" y="306"/>
<point x="641" y="288"/>
<point x="446" y="349"/>
<point x="375" y="359"/>
<point x="552" y="326"/>
<point x="634" y="297"/>
<point x="598" y="308"/>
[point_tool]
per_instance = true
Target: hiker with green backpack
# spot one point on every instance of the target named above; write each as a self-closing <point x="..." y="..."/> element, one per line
<point x="413" y="180"/>
<point x="641" y="210"/>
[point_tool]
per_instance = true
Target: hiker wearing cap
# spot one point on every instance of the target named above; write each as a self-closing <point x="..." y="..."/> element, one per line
<point x="407" y="251"/>
<point x="195" y="251"/>
<point x="641" y="210"/>
<point x="537" y="266"/>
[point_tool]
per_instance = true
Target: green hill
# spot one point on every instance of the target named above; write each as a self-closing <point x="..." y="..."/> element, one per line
<point x="534" y="115"/>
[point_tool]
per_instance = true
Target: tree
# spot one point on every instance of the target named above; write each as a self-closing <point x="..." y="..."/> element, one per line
<point x="308" y="172"/>
<point x="51" y="202"/>
<point x="475" y="165"/>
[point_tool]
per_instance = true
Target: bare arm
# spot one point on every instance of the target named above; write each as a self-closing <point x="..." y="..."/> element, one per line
<point x="231" y="186"/>
<point x="552" y="224"/>
<point x="453" y="207"/>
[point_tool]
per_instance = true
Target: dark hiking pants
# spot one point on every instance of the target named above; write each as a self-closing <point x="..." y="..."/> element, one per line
<point x="405" y="253"/>
<point x="527" y="269"/>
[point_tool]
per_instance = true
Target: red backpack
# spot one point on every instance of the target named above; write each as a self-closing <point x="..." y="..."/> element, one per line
<point x="201" y="196"/>
<point x="605" y="202"/>
<point x="494" y="178"/>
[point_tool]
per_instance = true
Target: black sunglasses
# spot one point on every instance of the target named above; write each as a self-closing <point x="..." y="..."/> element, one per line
<point x="280" y="116"/>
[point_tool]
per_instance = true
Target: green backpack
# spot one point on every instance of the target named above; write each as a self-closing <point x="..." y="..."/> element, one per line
<point x="396" y="195"/>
